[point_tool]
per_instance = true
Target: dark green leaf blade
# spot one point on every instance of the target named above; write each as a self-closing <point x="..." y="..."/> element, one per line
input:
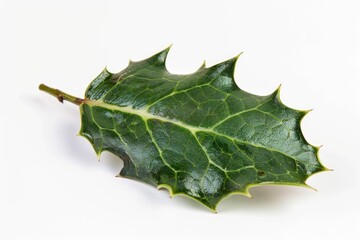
<point x="198" y="134"/>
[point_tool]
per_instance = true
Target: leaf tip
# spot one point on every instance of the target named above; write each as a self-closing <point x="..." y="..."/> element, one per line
<point x="326" y="169"/>
<point x="309" y="187"/>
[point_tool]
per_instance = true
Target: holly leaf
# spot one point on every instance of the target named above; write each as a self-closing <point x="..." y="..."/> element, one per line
<point x="198" y="135"/>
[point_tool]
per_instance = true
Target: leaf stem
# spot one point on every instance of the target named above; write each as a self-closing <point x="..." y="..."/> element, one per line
<point x="61" y="96"/>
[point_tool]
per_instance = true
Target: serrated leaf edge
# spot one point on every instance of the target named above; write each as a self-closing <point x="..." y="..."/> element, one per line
<point x="162" y="60"/>
<point x="146" y="115"/>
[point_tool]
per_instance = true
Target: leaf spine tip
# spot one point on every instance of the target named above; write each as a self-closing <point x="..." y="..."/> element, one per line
<point x="276" y="94"/>
<point x="168" y="48"/>
<point x="310" y="187"/>
<point x="161" y="56"/>
<point x="248" y="194"/>
<point x="228" y="66"/>
<point x="106" y="70"/>
<point x="203" y="65"/>
<point x="327" y="169"/>
<point x="237" y="56"/>
<point x="307" y="111"/>
<point x="303" y="113"/>
<point x="232" y="61"/>
<point x="278" y="89"/>
<point x="98" y="154"/>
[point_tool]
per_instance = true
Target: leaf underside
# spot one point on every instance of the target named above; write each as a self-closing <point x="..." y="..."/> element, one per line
<point x="199" y="134"/>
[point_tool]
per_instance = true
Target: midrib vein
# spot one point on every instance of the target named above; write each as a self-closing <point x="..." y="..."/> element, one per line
<point x="143" y="114"/>
<point x="148" y="116"/>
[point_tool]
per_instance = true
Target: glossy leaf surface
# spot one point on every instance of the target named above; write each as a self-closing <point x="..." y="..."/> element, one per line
<point x="199" y="134"/>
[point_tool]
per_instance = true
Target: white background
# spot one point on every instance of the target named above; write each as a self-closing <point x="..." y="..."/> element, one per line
<point x="56" y="189"/>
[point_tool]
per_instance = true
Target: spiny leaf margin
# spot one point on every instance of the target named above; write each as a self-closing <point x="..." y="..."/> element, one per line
<point x="158" y="62"/>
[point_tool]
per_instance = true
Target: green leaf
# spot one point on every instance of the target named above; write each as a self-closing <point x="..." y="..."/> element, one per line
<point x="197" y="135"/>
